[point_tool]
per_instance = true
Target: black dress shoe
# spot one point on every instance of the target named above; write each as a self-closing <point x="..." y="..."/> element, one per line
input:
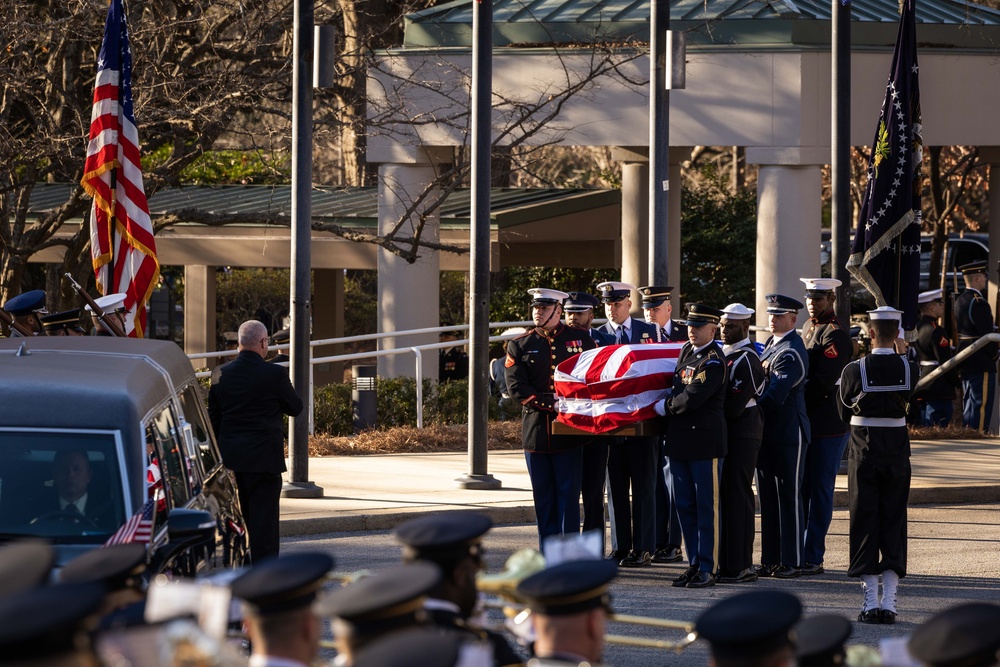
<point x="667" y="555"/>
<point x="786" y="572"/>
<point x="886" y="617"/>
<point x="810" y="569"/>
<point x="765" y="570"/>
<point x="741" y="577"/>
<point x="617" y="555"/>
<point x="701" y="580"/>
<point x="688" y="575"/>
<point x="870" y="616"/>
<point x="637" y="559"/>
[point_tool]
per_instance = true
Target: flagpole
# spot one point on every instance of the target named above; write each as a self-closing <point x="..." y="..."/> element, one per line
<point x="109" y="276"/>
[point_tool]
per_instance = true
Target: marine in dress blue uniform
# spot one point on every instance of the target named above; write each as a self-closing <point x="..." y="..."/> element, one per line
<point x="830" y="349"/>
<point x="657" y="309"/>
<point x="933" y="348"/>
<point x="974" y="319"/>
<point x="579" y="309"/>
<point x="696" y="442"/>
<point x="873" y="399"/>
<point x="632" y="461"/>
<point x="781" y="462"/>
<point x="555" y="462"/>
<point x="745" y="384"/>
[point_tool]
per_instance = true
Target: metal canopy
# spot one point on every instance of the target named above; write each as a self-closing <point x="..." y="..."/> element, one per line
<point x="706" y="22"/>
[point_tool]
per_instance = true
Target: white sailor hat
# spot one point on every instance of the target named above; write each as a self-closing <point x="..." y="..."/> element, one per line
<point x="885" y="313"/>
<point x="109" y="303"/>
<point x="932" y="295"/>
<point x="737" y="311"/>
<point x="820" y="284"/>
<point x="612" y="291"/>
<point x="543" y="295"/>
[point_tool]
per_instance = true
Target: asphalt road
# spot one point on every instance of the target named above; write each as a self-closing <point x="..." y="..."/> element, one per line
<point x="954" y="556"/>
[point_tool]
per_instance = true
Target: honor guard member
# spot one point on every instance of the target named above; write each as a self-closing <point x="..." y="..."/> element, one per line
<point x="113" y="305"/>
<point x="657" y="310"/>
<point x="751" y="629"/>
<point x="434" y="646"/>
<point x="745" y="383"/>
<point x="873" y="399"/>
<point x="49" y="626"/>
<point x="781" y="461"/>
<point x="555" y="462"/>
<point x="24" y="565"/>
<point x="230" y="340"/>
<point x="829" y="346"/>
<point x="974" y="319"/>
<point x="119" y="568"/>
<point x="820" y="641"/>
<point x="933" y="349"/>
<point x="66" y="323"/>
<point x="579" y="308"/>
<point x="632" y="463"/>
<point x="966" y="635"/>
<point x="569" y="604"/>
<point x="696" y="442"/>
<point x="373" y="606"/>
<point x="278" y="595"/>
<point x="27" y="309"/>
<point x="453" y="542"/>
<point x="453" y="362"/>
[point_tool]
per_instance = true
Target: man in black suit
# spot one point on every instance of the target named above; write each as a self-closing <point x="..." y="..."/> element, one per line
<point x="633" y="461"/>
<point x="246" y="407"/>
<point x="72" y="496"/>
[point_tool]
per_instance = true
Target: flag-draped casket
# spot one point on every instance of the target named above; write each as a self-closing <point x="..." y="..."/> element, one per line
<point x="611" y="387"/>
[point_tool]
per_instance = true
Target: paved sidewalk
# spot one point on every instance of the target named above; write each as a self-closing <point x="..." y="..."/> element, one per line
<point x="378" y="492"/>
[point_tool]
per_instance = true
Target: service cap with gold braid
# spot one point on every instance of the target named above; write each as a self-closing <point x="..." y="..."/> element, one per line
<point x="381" y="602"/>
<point x="67" y="319"/>
<point x="613" y="291"/>
<point x="444" y="536"/>
<point x="283" y="583"/>
<point x="972" y="268"/>
<point x="654" y="295"/>
<point x="699" y="314"/>
<point x="569" y="588"/>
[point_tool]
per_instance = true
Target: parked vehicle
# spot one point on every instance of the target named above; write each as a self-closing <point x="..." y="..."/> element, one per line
<point x="113" y="414"/>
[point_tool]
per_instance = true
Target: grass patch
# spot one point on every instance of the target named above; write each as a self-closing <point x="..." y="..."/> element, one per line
<point x="951" y="432"/>
<point x="409" y="439"/>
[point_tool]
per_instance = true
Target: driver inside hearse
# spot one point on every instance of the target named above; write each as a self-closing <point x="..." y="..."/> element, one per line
<point x="71" y="498"/>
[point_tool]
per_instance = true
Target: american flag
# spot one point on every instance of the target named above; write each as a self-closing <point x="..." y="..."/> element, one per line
<point x="613" y="386"/>
<point x="122" y="246"/>
<point x="885" y="254"/>
<point x="137" y="529"/>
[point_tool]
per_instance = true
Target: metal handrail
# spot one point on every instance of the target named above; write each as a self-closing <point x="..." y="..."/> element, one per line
<point x="944" y="368"/>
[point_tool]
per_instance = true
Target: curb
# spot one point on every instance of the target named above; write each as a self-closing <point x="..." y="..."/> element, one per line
<point x="939" y="495"/>
<point x="355" y="523"/>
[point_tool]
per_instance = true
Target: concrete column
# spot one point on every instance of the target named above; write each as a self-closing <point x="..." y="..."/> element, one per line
<point x="408" y="295"/>
<point x="678" y="154"/>
<point x="199" y="311"/>
<point x="789" y="200"/>
<point x="991" y="156"/>
<point x="328" y="322"/>
<point x="635" y="214"/>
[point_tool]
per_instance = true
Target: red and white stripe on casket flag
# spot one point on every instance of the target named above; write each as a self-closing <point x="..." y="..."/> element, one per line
<point x="614" y="386"/>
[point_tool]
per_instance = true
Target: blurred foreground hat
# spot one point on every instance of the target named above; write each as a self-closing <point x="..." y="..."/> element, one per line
<point x="49" y="621"/>
<point x="116" y="567"/>
<point x="443" y="535"/>
<point x="820" y="640"/>
<point x="750" y="624"/>
<point x="967" y="635"/>
<point x="24" y="564"/>
<point x="283" y="583"/>
<point x="569" y="588"/>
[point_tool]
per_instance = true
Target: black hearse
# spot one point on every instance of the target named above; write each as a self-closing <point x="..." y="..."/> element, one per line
<point x="106" y="416"/>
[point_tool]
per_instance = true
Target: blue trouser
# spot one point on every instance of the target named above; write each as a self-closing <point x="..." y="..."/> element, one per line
<point x="594" y="475"/>
<point x="977" y="403"/>
<point x="668" y="525"/>
<point x="822" y="464"/>
<point x="632" y="463"/>
<point x="782" y="518"/>
<point x="555" y="487"/>
<point x="696" y="494"/>
<point x="937" y="412"/>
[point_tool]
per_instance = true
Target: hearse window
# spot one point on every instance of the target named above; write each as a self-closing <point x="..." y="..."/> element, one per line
<point x="173" y="466"/>
<point x="194" y="413"/>
<point x="64" y="486"/>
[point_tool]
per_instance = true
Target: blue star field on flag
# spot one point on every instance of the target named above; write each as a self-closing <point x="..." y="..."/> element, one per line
<point x="885" y="253"/>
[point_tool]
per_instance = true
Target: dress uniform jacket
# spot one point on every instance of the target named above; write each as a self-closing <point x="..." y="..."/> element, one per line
<point x="873" y="398"/>
<point x="678" y="333"/>
<point x="786" y="363"/>
<point x="503" y="654"/>
<point x="696" y="426"/>
<point x="829" y="347"/>
<point x="745" y="385"/>
<point x="933" y="349"/>
<point x="974" y="319"/>
<point x="531" y="362"/>
<point x="639" y="331"/>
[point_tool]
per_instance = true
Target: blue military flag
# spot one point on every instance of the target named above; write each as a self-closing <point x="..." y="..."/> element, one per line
<point x="885" y="254"/>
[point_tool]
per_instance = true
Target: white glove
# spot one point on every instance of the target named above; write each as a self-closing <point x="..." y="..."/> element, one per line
<point x="661" y="408"/>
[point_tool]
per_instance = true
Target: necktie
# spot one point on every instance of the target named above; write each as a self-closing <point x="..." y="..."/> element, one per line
<point x="73" y="509"/>
<point x="622" y="336"/>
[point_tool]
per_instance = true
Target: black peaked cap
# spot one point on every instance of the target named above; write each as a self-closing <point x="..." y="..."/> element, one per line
<point x="283" y="583"/>
<point x="819" y="639"/>
<point x="750" y="624"/>
<point x="443" y="534"/>
<point x="569" y="588"/>
<point x="967" y="635"/>
<point x="46" y="621"/>
<point x="24" y="565"/>
<point x="390" y="593"/>
<point x="116" y="567"/>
